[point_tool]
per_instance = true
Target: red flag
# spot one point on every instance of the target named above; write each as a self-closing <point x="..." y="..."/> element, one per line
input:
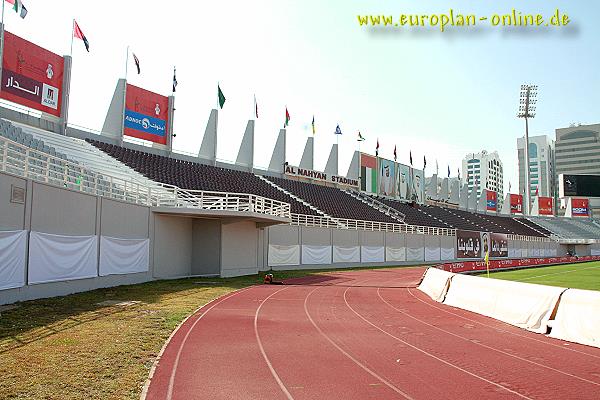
<point x="77" y="32"/>
<point x="536" y="190"/>
<point x="287" y="118"/>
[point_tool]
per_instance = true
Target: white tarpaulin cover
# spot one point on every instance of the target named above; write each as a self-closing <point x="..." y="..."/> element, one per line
<point x="284" y="254"/>
<point x="447" y="253"/>
<point x="524" y="305"/>
<point x="578" y="317"/>
<point x="346" y="254"/>
<point x="123" y="256"/>
<point x="435" y="283"/>
<point x="316" y="254"/>
<point x="13" y="252"/>
<point x="395" y="254"/>
<point x="61" y="258"/>
<point x="372" y="254"/>
<point x="415" y="254"/>
<point x="432" y="254"/>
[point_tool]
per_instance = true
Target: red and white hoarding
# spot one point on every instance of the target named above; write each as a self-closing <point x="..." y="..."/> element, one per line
<point x="545" y="206"/>
<point x="516" y="204"/>
<point x="146" y="115"/>
<point x="580" y="207"/>
<point x="31" y="75"/>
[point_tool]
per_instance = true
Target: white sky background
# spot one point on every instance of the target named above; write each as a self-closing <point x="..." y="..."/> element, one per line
<point x="443" y="95"/>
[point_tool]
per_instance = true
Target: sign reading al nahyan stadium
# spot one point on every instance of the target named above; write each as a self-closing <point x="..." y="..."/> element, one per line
<point x="31" y="75"/>
<point x="146" y="115"/>
<point x="319" y="176"/>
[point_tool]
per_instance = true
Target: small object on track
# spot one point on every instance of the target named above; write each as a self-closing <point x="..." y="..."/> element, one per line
<point x="269" y="280"/>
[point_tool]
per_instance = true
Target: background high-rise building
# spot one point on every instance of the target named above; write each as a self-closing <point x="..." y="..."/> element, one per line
<point x="578" y="150"/>
<point x="541" y="165"/>
<point x="486" y="169"/>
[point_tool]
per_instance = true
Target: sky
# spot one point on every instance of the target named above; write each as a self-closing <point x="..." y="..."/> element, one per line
<point x="439" y="95"/>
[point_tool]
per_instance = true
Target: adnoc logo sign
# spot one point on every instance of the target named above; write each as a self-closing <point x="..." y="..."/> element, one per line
<point x="146" y="115"/>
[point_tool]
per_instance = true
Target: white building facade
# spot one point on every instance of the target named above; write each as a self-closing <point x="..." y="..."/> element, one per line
<point x="484" y="169"/>
<point x="541" y="165"/>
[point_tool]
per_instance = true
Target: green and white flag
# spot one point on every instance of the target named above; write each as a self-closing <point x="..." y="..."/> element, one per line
<point x="18" y="7"/>
<point x="368" y="173"/>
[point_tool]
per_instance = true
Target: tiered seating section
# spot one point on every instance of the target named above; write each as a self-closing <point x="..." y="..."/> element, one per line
<point x="333" y="201"/>
<point x="194" y="176"/>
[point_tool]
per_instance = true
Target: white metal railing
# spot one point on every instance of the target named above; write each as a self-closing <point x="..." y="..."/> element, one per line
<point x="525" y="238"/>
<point x="24" y="161"/>
<point x="355" y="224"/>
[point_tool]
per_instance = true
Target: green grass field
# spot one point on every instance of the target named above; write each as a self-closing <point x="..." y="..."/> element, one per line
<point x="577" y="276"/>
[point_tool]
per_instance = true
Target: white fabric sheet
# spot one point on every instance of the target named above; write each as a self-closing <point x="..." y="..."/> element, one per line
<point x="316" y="254"/>
<point x="432" y="254"/>
<point x="123" y="256"/>
<point x="395" y="254"/>
<point x="13" y="255"/>
<point x="372" y="254"/>
<point x="284" y="255"/>
<point x="435" y="283"/>
<point x="415" y="254"/>
<point x="524" y="305"/>
<point x="447" y="254"/>
<point x="61" y="258"/>
<point x="346" y="254"/>
<point x="578" y="317"/>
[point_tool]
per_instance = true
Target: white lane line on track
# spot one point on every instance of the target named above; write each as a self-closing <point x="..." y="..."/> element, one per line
<point x="344" y="352"/>
<point x="262" y="349"/>
<point x="429" y="354"/>
<point x="503" y="330"/>
<point x="185" y="338"/>
<point x="557" y="273"/>
<point x="484" y="345"/>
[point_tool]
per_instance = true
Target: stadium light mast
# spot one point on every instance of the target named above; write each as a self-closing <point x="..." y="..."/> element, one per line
<point x="527" y="110"/>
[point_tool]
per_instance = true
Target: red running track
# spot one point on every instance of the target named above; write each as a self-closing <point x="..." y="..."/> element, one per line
<point x="363" y="335"/>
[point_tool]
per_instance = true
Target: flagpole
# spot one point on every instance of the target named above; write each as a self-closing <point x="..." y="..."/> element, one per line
<point x="126" y="62"/>
<point x="72" y="35"/>
<point x="124" y="96"/>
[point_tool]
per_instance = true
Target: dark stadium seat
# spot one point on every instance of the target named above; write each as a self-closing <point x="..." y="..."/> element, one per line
<point x="194" y="176"/>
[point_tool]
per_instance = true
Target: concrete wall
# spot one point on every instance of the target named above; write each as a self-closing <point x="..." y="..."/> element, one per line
<point x="239" y="249"/>
<point x="124" y="220"/>
<point x="173" y="242"/>
<point x="315" y="236"/>
<point x="12" y="215"/>
<point x="345" y="238"/>
<point x="206" y="247"/>
<point x="375" y="239"/>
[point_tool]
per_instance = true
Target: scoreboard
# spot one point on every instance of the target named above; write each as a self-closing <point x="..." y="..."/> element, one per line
<point x="579" y="185"/>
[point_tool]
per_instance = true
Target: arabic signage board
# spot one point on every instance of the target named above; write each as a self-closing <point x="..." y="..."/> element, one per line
<point x="468" y="244"/>
<point x="146" y="115"/>
<point x="516" y="204"/>
<point x="498" y="245"/>
<point x="545" y="205"/>
<point x="319" y="176"/>
<point x="31" y="75"/>
<point x="491" y="200"/>
<point x="580" y="207"/>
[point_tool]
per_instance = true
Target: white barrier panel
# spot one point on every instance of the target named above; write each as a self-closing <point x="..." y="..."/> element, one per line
<point x="316" y="254"/>
<point x="13" y="253"/>
<point x="447" y="253"/>
<point x="123" y="256"/>
<point x="346" y="254"/>
<point x="372" y="254"/>
<point x="55" y="258"/>
<point x="435" y="283"/>
<point x="524" y="305"/>
<point x="415" y="254"/>
<point x="283" y="255"/>
<point x="395" y="254"/>
<point x="595" y="252"/>
<point x="578" y="317"/>
<point x="432" y="254"/>
<point x="511" y="252"/>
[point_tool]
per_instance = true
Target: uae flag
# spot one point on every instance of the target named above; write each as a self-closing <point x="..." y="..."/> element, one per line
<point x="78" y="33"/>
<point x="368" y="173"/>
<point x="18" y="7"/>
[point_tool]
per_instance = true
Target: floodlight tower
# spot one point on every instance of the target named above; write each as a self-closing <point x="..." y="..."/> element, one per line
<point x="527" y="110"/>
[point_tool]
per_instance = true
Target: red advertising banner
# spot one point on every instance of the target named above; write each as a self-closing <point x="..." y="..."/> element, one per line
<point x="31" y="75"/>
<point x="580" y="207"/>
<point x="492" y="201"/>
<point x="146" y="115"/>
<point x="545" y="205"/>
<point x="472" y="266"/>
<point x="516" y="204"/>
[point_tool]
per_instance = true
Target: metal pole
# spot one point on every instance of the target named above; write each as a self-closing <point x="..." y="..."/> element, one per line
<point x="527" y="199"/>
<point x="72" y="35"/>
<point x="2" y="44"/>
